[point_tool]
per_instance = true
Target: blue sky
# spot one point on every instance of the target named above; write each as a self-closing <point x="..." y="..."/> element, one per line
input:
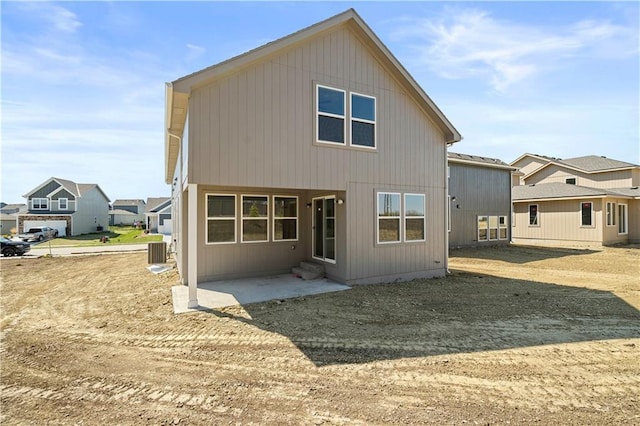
<point x="83" y="82"/>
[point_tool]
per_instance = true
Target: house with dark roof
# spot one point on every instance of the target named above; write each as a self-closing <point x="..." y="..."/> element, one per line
<point x="584" y="201"/>
<point x="158" y="215"/>
<point x="71" y="208"/>
<point x="315" y="147"/>
<point x="479" y="200"/>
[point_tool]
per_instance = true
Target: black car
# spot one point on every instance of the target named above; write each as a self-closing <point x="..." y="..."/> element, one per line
<point x="13" y="248"/>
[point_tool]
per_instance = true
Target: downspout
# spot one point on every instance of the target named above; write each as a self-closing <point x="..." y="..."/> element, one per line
<point x="446" y="208"/>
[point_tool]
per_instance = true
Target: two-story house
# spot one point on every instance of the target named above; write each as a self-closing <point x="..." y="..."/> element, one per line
<point x="479" y="200"/>
<point x="71" y="208"/>
<point x="582" y="201"/>
<point x="318" y="146"/>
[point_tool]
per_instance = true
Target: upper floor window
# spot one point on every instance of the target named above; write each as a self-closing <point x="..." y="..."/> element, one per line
<point x="331" y="115"/>
<point x="40" y="203"/>
<point x="335" y="111"/>
<point x="363" y="120"/>
<point x="63" y="204"/>
<point x="570" y="181"/>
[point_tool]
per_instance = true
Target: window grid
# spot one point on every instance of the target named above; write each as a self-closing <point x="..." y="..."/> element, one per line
<point x="216" y="221"/>
<point x="281" y="220"/>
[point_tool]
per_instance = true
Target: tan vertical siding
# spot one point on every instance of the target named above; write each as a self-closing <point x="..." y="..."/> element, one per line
<point x="559" y="222"/>
<point x="557" y="174"/>
<point x="255" y="129"/>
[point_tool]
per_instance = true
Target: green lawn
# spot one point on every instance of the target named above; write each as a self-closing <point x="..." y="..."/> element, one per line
<point x="115" y="235"/>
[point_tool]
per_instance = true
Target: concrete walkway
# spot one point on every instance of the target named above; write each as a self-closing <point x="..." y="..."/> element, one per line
<point x="219" y="294"/>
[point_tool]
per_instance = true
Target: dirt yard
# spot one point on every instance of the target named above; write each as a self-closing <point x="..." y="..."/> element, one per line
<point x="513" y="336"/>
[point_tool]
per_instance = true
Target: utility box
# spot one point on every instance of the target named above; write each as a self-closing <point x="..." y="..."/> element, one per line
<point x="157" y="252"/>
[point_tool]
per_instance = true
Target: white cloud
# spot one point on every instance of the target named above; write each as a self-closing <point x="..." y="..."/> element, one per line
<point x="471" y="43"/>
<point x="194" y="51"/>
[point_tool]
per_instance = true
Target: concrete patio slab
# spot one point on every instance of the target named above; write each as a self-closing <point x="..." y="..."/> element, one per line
<point x="219" y="294"/>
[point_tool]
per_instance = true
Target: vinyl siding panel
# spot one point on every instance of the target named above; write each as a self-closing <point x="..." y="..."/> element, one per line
<point x="557" y="174"/>
<point x="273" y="123"/>
<point x="478" y="191"/>
<point x="255" y="129"/>
<point x="45" y="190"/>
<point x="93" y="211"/>
<point x="560" y="223"/>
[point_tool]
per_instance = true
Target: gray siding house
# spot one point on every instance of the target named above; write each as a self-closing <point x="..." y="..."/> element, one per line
<point x="480" y="200"/>
<point x="582" y="201"/>
<point x="9" y="218"/>
<point x="318" y="146"/>
<point x="71" y="208"/>
<point x="158" y="215"/>
<point x="127" y="212"/>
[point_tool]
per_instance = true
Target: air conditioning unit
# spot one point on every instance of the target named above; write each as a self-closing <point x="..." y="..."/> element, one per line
<point x="157" y="252"/>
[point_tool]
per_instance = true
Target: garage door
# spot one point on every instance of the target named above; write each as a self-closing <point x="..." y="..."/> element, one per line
<point x="60" y="225"/>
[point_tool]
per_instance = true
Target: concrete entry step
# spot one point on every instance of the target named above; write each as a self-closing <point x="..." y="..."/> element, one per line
<point x="308" y="270"/>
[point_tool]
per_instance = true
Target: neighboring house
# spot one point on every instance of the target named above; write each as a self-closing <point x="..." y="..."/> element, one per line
<point x="480" y="200"/>
<point x="158" y="215"/>
<point x="320" y="146"/>
<point x="127" y="212"/>
<point x="9" y="218"/>
<point x="71" y="208"/>
<point x="584" y="201"/>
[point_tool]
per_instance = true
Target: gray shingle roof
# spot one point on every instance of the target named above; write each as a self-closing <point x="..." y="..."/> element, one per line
<point x="563" y="190"/>
<point x="127" y="202"/>
<point x="154" y="202"/>
<point x="453" y="156"/>
<point x="595" y="163"/>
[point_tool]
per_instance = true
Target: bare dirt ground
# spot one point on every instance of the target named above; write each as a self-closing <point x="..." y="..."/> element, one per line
<point x="514" y="335"/>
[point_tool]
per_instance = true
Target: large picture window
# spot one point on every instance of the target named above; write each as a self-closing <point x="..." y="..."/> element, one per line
<point x="221" y="219"/>
<point x="331" y="115"/>
<point x="255" y="218"/>
<point x="285" y="218"/>
<point x="388" y="217"/>
<point x="586" y="210"/>
<point x="363" y="120"/>
<point x="414" y="219"/>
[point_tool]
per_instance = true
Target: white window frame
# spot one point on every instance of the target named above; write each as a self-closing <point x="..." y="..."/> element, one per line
<point x="262" y="218"/>
<point x="501" y="226"/>
<point x="274" y="217"/>
<point x="328" y="114"/>
<point x="623" y="219"/>
<point x="43" y="204"/>
<point x="403" y="213"/>
<point x="537" y="215"/>
<point x="362" y="120"/>
<point x="235" y="219"/>
<point x="66" y="203"/>
<point x="582" y="225"/>
<point x="611" y="213"/>
<point x="478" y="227"/>
<point x="378" y="217"/>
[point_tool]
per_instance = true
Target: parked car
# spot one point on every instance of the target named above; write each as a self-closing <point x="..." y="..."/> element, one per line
<point x="13" y="248"/>
<point x="38" y="234"/>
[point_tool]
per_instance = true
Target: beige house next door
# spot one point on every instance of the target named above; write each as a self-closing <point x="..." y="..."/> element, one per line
<point x="324" y="226"/>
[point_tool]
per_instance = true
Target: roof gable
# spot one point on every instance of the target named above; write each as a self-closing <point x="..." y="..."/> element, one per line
<point x="595" y="163"/>
<point x="177" y="92"/>
<point x="567" y="191"/>
<point x="154" y="204"/>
